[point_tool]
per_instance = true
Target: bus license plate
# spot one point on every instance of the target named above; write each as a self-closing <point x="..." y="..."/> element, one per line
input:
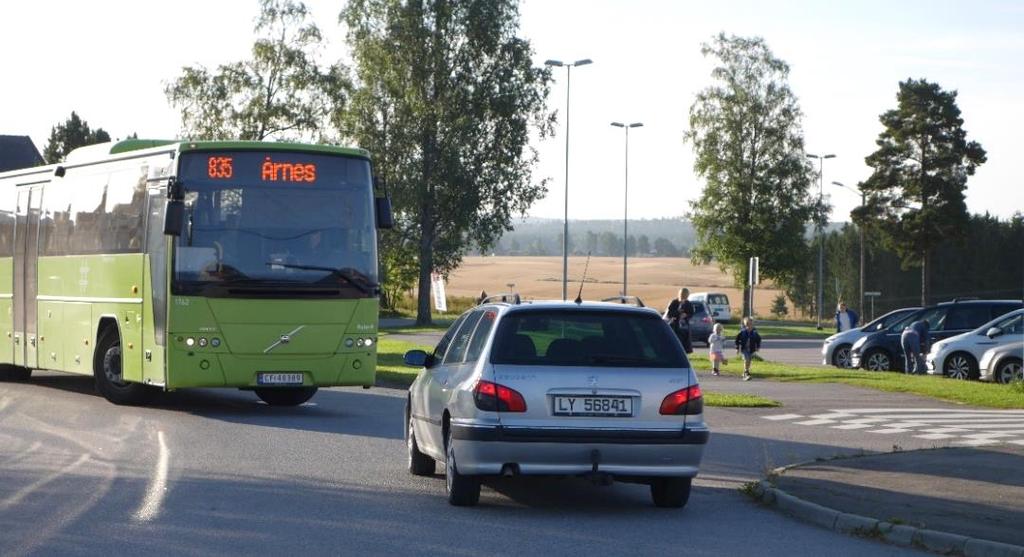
<point x="279" y="378"/>
<point x="593" y="406"/>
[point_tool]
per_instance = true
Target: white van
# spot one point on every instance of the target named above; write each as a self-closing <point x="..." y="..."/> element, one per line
<point x="717" y="304"/>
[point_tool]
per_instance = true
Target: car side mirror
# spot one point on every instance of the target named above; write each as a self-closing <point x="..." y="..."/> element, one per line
<point x="174" y="217"/>
<point x="385" y="218"/>
<point x="418" y="358"/>
<point x="993" y="332"/>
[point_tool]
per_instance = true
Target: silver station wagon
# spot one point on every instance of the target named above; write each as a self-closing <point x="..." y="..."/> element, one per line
<point x="598" y="390"/>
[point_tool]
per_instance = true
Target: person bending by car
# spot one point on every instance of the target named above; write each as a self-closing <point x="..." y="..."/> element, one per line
<point x="914" y="341"/>
<point x="846" y="319"/>
<point x="748" y="342"/>
<point x="678" y="315"/>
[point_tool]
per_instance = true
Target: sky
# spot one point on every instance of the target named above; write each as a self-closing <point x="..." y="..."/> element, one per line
<point x="110" y="59"/>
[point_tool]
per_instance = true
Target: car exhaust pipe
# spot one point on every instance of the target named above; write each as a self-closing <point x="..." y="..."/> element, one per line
<point x="510" y="470"/>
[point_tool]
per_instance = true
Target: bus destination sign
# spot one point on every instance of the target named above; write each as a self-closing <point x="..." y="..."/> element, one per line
<point x="220" y="167"/>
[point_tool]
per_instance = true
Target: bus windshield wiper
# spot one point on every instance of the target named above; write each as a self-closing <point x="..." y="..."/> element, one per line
<point x="345" y="274"/>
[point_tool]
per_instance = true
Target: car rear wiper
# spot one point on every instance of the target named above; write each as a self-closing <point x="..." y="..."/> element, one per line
<point x="348" y="275"/>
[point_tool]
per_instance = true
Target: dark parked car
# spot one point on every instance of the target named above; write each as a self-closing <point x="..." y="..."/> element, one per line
<point x="701" y="323"/>
<point x="881" y="351"/>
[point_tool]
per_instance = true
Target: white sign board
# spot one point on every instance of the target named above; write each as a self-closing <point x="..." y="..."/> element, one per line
<point x="753" y="278"/>
<point x="437" y="290"/>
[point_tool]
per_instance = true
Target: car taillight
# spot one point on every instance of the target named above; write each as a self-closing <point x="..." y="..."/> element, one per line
<point x="497" y="398"/>
<point x="707" y="319"/>
<point x="684" y="401"/>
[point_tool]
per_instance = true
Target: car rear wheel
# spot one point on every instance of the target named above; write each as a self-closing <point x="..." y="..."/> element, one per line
<point x="671" y="492"/>
<point x="960" y="366"/>
<point x="463" y="491"/>
<point x="419" y="464"/>
<point x="877" y="360"/>
<point x="1009" y="371"/>
<point x="841" y="356"/>
<point x="285" y="396"/>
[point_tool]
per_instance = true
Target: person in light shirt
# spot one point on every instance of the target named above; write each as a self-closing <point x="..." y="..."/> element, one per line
<point x="846" y="319"/>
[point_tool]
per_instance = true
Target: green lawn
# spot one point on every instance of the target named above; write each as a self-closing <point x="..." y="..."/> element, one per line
<point x="974" y="393"/>
<point x="392" y="372"/>
<point x="792" y="329"/>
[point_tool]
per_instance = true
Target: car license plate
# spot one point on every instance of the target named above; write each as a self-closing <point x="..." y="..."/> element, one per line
<point x="593" y="406"/>
<point x="279" y="378"/>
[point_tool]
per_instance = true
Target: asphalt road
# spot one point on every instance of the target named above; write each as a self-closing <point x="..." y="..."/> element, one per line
<point x="217" y="472"/>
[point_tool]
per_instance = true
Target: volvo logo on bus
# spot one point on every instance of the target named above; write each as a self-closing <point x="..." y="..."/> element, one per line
<point x="284" y="339"/>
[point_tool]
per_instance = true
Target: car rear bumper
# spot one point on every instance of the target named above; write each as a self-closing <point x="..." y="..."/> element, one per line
<point x="562" y="451"/>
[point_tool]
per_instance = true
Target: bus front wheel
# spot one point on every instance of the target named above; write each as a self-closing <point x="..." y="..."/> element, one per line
<point x="106" y="369"/>
<point x="285" y="396"/>
<point x="14" y="373"/>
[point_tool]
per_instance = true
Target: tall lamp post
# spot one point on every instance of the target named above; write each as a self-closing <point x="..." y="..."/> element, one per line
<point x="821" y="237"/>
<point x="625" y="205"/>
<point x="863" y="201"/>
<point x="565" y="227"/>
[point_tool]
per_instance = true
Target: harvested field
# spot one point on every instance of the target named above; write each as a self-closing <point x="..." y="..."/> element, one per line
<point x="654" y="279"/>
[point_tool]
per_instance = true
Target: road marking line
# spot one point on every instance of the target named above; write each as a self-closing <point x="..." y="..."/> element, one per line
<point x="27" y="490"/>
<point x="833" y="416"/>
<point x="926" y="410"/>
<point x="889" y="430"/>
<point x="783" y="417"/>
<point x="987" y="435"/>
<point x="816" y="422"/>
<point x="946" y="430"/>
<point x="852" y="426"/>
<point x="977" y="442"/>
<point x="1017" y="442"/>
<point x="866" y="420"/>
<point x="150" y="507"/>
<point x="935" y="436"/>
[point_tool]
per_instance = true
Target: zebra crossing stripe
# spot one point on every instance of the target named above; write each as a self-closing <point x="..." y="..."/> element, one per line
<point x="783" y="417"/>
<point x="935" y="436"/>
<point x="890" y="430"/>
<point x="817" y="422"/>
<point x="852" y="426"/>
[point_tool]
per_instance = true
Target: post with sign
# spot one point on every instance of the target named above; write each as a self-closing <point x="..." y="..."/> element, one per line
<point x="872" y="295"/>
<point x="437" y="289"/>
<point x="752" y="280"/>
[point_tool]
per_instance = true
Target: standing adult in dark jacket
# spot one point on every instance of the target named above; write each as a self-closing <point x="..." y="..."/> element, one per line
<point x="678" y="315"/>
<point x="914" y="341"/>
<point x="846" y="319"/>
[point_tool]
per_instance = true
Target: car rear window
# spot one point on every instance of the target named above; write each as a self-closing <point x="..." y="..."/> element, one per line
<point x="586" y="338"/>
<point x="718" y="299"/>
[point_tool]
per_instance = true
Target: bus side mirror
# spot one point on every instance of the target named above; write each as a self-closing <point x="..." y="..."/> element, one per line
<point x="385" y="219"/>
<point x="174" y="217"/>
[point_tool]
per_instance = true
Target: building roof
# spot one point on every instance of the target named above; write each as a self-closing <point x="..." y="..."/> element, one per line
<point x="18" y="151"/>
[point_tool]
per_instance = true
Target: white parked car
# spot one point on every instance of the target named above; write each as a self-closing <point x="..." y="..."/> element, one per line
<point x="835" y="351"/>
<point x="959" y="357"/>
<point x="717" y="304"/>
<point x="1002" y="364"/>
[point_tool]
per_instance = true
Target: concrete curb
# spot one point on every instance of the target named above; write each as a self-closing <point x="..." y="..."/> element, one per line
<point x="867" y="527"/>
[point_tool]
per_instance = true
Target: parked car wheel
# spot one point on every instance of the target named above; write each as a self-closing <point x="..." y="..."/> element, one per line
<point x="960" y="365"/>
<point x="1009" y="370"/>
<point x="670" y="492"/>
<point x="877" y="360"/>
<point x="419" y="463"/>
<point x="463" y="491"/>
<point x="841" y="356"/>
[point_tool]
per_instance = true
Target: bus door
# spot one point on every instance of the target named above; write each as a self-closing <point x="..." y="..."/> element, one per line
<point x="26" y="237"/>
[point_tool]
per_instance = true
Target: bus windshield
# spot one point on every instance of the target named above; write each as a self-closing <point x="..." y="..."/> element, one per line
<point x="276" y="224"/>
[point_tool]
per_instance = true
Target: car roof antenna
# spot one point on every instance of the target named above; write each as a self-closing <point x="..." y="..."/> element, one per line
<point x="579" y="296"/>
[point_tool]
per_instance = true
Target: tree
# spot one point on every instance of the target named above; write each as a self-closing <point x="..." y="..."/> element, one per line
<point x="915" y="196"/>
<point x="70" y="135"/>
<point x="447" y="98"/>
<point x="665" y="248"/>
<point x="779" y="309"/>
<point x="643" y="245"/>
<point x="282" y="92"/>
<point x="746" y="135"/>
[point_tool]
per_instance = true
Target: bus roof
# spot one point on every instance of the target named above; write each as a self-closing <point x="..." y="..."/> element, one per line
<point x="92" y="152"/>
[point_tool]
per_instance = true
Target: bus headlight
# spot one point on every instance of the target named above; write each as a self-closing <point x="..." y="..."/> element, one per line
<point x="349" y="342"/>
<point x="202" y="342"/>
<point x="190" y="342"/>
<point x="369" y="342"/>
<point x="215" y="342"/>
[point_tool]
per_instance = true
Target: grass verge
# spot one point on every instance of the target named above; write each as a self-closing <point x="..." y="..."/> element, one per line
<point x="975" y="393"/>
<point x="788" y="329"/>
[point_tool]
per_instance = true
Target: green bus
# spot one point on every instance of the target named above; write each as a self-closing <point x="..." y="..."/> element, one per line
<point x="175" y="264"/>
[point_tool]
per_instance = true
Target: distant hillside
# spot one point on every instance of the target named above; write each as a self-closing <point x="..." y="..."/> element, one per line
<point x="667" y="237"/>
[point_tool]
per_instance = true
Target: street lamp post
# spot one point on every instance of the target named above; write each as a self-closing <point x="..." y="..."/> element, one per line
<point x="860" y="229"/>
<point x="821" y="237"/>
<point x="625" y="205"/>
<point x="565" y="227"/>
